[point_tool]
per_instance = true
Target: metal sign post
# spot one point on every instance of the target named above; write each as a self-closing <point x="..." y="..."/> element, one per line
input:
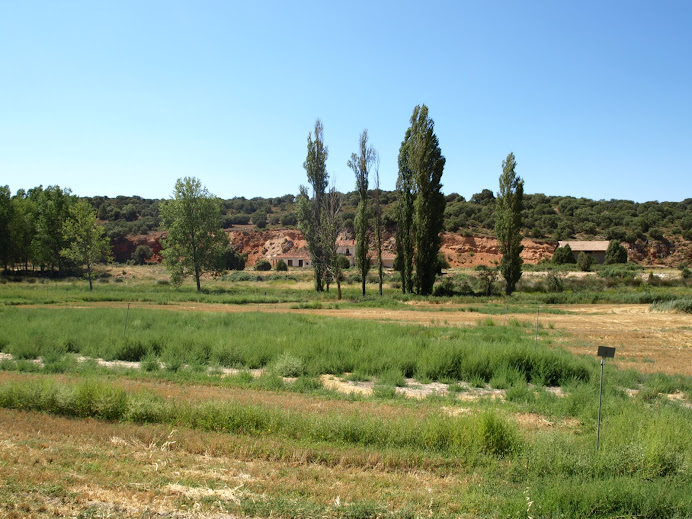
<point x="538" y="312"/>
<point x="605" y="353"/>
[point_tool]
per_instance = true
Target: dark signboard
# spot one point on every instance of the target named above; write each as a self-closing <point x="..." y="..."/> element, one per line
<point x="606" y="352"/>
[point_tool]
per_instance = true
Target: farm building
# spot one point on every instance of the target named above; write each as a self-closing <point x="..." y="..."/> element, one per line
<point x="596" y="249"/>
<point x="293" y="258"/>
<point x="301" y="257"/>
<point x="347" y="248"/>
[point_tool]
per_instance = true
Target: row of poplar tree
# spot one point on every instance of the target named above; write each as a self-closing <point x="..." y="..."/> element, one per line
<point x="420" y="210"/>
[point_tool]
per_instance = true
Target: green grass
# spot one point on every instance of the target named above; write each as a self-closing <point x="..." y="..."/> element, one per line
<point x="643" y="468"/>
<point x="314" y="345"/>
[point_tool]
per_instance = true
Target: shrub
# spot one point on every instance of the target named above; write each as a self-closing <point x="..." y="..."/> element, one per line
<point x="260" y="219"/>
<point x="344" y="262"/>
<point x="615" y="253"/>
<point x="584" y="261"/>
<point x="656" y="234"/>
<point x="131" y="350"/>
<point x="289" y="220"/>
<point x="281" y="266"/>
<point x="231" y="259"/>
<point x="496" y="436"/>
<point x="563" y="256"/>
<point x="287" y="365"/>
<point x="263" y="265"/>
<point x="555" y="282"/>
<point x="141" y="254"/>
<point x="239" y="219"/>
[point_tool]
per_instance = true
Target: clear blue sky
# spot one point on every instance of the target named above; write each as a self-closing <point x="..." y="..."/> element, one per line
<point x="108" y="98"/>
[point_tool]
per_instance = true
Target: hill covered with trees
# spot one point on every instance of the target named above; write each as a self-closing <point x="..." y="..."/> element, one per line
<point x="29" y="218"/>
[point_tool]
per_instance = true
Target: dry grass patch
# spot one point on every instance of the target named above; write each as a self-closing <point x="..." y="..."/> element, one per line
<point x="69" y="466"/>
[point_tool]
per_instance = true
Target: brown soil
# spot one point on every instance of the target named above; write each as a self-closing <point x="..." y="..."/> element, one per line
<point x="460" y="251"/>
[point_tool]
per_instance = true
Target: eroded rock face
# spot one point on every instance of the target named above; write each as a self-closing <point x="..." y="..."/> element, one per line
<point x="469" y="251"/>
<point x="124" y="247"/>
<point x="460" y="251"/>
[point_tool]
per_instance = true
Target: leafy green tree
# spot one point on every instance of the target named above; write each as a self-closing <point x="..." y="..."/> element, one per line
<point x="328" y="233"/>
<point x="361" y="165"/>
<point x="22" y="229"/>
<point x="281" y="266"/>
<point x="309" y="210"/>
<point x="563" y="255"/>
<point x="88" y="244"/>
<point x="52" y="212"/>
<point x="195" y="236"/>
<point x="509" y="205"/>
<point x="615" y="253"/>
<point x="421" y="165"/>
<point x="405" y="232"/>
<point x="6" y="211"/>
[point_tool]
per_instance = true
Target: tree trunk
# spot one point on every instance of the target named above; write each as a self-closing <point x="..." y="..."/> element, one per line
<point x="89" y="273"/>
<point x="338" y="289"/>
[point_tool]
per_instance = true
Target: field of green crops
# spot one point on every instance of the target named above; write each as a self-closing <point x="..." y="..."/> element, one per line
<point x="142" y="411"/>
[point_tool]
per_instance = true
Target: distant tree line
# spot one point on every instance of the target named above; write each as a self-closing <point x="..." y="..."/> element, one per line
<point x="50" y="230"/>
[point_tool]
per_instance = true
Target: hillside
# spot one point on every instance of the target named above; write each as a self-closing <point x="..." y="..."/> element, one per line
<point x="460" y="251"/>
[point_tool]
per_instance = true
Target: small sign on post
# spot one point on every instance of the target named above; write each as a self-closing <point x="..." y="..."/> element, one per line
<point x="605" y="352"/>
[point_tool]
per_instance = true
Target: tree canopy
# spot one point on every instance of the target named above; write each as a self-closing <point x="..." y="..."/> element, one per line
<point x="195" y="238"/>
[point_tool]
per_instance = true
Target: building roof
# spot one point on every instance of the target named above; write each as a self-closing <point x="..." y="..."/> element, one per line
<point x="293" y="254"/>
<point x="346" y="243"/>
<point x="586" y="245"/>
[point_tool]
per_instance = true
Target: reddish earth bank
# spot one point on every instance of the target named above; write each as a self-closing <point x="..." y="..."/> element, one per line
<point x="460" y="251"/>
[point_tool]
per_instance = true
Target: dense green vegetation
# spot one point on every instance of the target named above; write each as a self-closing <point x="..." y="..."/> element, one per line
<point x="641" y="470"/>
<point x="28" y="230"/>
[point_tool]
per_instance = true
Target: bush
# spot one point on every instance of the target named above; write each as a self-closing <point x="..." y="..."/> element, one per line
<point x="289" y="220"/>
<point x="141" y="254"/>
<point x="281" y="266"/>
<point x="231" y="259"/>
<point x="496" y="436"/>
<point x="239" y="219"/>
<point x="656" y="234"/>
<point x="344" y="262"/>
<point x="563" y="256"/>
<point x="287" y="365"/>
<point x="260" y="219"/>
<point x="615" y="253"/>
<point x="584" y="261"/>
<point x="263" y="265"/>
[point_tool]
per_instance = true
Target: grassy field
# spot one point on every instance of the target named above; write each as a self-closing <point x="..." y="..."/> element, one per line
<point x="177" y="406"/>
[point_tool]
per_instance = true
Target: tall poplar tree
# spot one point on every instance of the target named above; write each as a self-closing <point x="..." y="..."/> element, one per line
<point x="509" y="204"/>
<point x="421" y="165"/>
<point x="361" y="165"/>
<point x="378" y="226"/>
<point x="310" y="210"/>
<point x="405" y="194"/>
